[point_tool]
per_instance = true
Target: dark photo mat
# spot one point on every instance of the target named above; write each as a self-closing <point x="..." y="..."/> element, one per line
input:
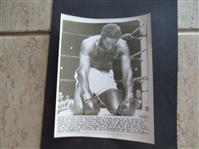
<point x="164" y="42"/>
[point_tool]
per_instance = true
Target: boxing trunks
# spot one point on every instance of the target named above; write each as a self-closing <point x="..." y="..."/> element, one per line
<point x="99" y="81"/>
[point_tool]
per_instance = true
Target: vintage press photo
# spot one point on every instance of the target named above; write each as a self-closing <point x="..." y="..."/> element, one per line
<point x="104" y="79"/>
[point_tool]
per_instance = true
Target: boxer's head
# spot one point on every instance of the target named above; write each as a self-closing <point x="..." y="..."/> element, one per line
<point x="111" y="31"/>
<point x="110" y="35"/>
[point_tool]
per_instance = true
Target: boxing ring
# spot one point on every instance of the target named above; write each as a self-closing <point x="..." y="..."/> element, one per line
<point x="141" y="56"/>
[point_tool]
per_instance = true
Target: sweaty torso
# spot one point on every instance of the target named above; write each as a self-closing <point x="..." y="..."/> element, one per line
<point x="102" y="58"/>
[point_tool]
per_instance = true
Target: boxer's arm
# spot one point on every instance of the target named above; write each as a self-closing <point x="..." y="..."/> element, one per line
<point x="90" y="106"/>
<point x="127" y="73"/>
<point x="84" y="68"/>
<point x="128" y="106"/>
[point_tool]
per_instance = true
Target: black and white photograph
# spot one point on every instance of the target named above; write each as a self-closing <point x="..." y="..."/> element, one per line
<point x="105" y="79"/>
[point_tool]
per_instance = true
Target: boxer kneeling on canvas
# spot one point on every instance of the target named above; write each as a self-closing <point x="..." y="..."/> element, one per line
<point x="95" y="75"/>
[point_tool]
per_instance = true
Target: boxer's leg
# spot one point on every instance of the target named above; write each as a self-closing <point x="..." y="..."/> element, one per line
<point x="111" y="99"/>
<point x="114" y="103"/>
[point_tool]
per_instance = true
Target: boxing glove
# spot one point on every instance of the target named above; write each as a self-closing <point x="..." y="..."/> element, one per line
<point x="127" y="36"/>
<point x="127" y="107"/>
<point x="91" y="107"/>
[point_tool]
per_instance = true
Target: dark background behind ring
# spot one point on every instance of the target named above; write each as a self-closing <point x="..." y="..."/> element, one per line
<point x="164" y="42"/>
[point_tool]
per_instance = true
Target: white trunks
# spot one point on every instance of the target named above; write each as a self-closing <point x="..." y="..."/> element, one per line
<point x="99" y="81"/>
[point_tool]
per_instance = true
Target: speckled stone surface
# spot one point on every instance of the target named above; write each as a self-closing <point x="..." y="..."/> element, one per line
<point x="0" y="16"/>
<point x="20" y="16"/>
<point x="188" y="14"/>
<point x="35" y="15"/>
<point x="24" y="62"/>
<point x="188" y="85"/>
<point x="0" y="91"/>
